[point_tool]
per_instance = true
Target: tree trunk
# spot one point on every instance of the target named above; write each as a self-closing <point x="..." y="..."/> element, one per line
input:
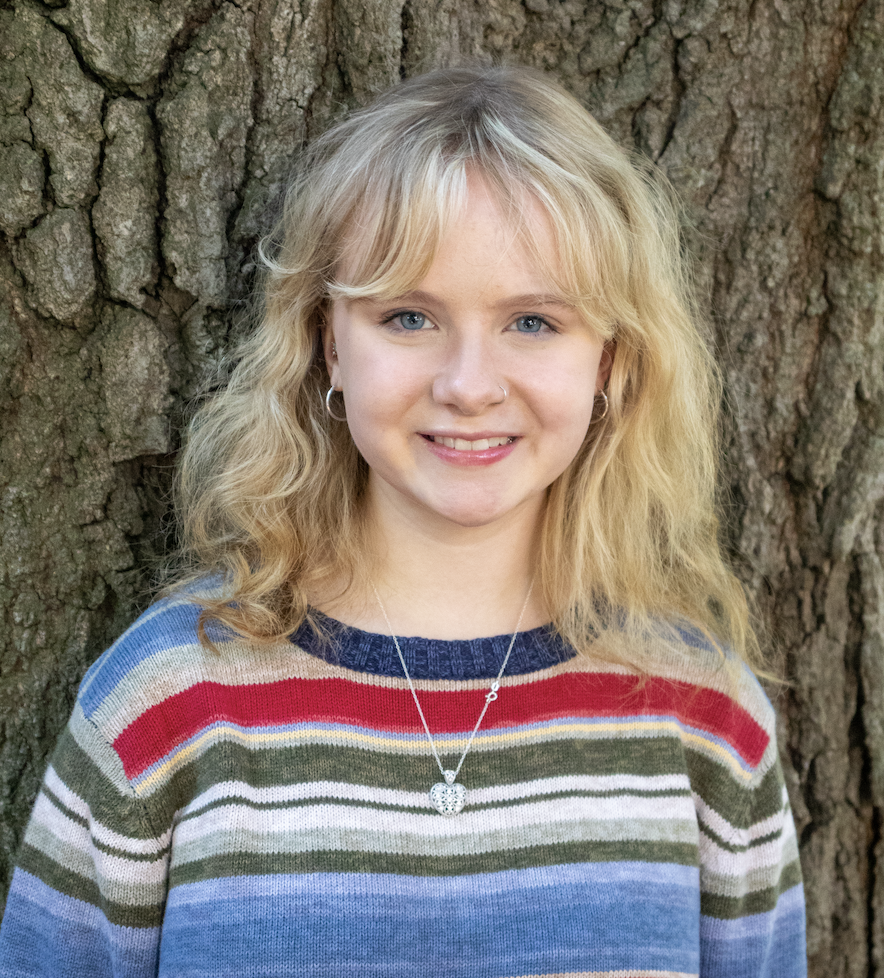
<point x="140" y="147"/>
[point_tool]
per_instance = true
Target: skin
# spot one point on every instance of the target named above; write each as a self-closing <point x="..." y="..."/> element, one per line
<point x="456" y="528"/>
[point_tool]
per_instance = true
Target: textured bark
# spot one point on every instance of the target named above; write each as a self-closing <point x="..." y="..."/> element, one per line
<point x="140" y="147"/>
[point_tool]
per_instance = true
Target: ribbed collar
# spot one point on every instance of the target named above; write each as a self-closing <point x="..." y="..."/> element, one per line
<point x="432" y="658"/>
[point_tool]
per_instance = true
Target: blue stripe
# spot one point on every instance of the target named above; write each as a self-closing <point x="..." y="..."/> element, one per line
<point x="586" y="917"/>
<point x="46" y="934"/>
<point x="765" y="945"/>
<point x="162" y="627"/>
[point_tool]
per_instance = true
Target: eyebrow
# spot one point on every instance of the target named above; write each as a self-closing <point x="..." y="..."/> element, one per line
<point x="525" y="300"/>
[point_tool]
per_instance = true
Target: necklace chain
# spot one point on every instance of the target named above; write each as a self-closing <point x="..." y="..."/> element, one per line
<point x="490" y="697"/>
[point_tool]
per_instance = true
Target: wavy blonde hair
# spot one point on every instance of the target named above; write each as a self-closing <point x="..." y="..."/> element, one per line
<point x="269" y="488"/>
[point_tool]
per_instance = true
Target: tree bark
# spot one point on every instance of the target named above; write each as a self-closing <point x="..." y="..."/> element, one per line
<point x="141" y="145"/>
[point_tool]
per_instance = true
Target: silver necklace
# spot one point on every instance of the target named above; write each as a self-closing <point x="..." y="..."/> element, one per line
<point x="448" y="796"/>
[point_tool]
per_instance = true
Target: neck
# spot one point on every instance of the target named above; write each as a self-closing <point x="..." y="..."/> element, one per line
<point x="446" y="582"/>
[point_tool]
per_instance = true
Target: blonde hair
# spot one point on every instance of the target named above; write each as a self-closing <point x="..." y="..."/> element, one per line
<point x="270" y="488"/>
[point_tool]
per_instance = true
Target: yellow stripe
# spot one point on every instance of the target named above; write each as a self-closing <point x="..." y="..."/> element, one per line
<point x="444" y="745"/>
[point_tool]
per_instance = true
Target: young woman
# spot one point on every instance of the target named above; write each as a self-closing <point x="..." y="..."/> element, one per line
<point x="455" y="683"/>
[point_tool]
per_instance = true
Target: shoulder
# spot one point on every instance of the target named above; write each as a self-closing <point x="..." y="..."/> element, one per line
<point x="157" y="692"/>
<point x="720" y="700"/>
<point x="157" y="660"/>
<point x="162" y="639"/>
<point x="157" y="689"/>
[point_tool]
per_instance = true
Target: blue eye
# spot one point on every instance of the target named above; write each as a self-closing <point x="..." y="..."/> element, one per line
<point x="411" y="320"/>
<point x="529" y="324"/>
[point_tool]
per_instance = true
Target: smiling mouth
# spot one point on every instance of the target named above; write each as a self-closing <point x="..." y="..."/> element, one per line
<point x="462" y="445"/>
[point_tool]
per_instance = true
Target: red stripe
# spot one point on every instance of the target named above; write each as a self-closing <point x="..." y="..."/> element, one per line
<point x="162" y="727"/>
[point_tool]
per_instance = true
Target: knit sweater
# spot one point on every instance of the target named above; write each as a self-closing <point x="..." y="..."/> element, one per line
<point x="265" y="811"/>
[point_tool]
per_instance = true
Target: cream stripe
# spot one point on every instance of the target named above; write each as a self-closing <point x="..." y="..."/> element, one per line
<point x="353" y="838"/>
<point x="68" y="844"/>
<point x="343" y="827"/>
<point x="736" y="836"/>
<point x="623" y="784"/>
<point x="618" y="811"/>
<point x="743" y="882"/>
<point x="719" y="861"/>
<point x="101" y="833"/>
<point x="64" y="794"/>
<point x="60" y="837"/>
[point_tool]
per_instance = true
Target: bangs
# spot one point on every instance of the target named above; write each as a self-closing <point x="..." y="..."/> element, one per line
<point x="390" y="237"/>
<point x="379" y="192"/>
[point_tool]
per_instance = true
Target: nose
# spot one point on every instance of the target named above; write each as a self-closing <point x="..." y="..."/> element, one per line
<point x="468" y="380"/>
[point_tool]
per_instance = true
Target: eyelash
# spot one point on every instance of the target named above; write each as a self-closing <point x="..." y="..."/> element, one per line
<point x="545" y="323"/>
<point x="390" y="322"/>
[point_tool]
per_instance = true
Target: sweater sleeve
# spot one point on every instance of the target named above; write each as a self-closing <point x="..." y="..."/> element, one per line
<point x="752" y="922"/>
<point x="88" y="891"/>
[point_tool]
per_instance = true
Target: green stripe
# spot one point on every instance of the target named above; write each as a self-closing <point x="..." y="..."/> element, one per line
<point x="291" y="765"/>
<point x="125" y="814"/>
<point x="739" y="804"/>
<point x="732" y="846"/>
<point x="62" y="807"/>
<point x="280" y="766"/>
<point x="146" y="857"/>
<point x="759" y="901"/>
<point x="132" y="857"/>
<point x="319" y="799"/>
<point x="338" y="861"/>
<point x="79" y="888"/>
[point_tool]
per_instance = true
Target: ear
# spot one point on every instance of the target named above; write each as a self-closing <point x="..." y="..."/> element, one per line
<point x="330" y="353"/>
<point x="605" y="365"/>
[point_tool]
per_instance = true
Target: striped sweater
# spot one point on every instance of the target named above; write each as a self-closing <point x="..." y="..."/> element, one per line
<point x="265" y="812"/>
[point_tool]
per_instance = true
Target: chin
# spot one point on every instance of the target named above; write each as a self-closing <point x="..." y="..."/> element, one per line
<point x="472" y="515"/>
<point x="470" y="520"/>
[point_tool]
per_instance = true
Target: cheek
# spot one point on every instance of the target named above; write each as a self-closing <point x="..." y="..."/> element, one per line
<point x="574" y="425"/>
<point x="567" y="396"/>
<point x="378" y="409"/>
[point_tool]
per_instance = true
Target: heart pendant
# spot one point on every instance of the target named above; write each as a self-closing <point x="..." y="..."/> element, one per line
<point x="448" y="797"/>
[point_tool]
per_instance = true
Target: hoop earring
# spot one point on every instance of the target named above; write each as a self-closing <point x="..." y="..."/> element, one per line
<point x="604" y="413"/>
<point x="328" y="407"/>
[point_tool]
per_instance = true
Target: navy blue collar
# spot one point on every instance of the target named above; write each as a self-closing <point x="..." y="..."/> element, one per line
<point x="432" y="658"/>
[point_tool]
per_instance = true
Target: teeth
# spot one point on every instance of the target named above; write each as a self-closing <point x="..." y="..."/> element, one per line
<point x="462" y="445"/>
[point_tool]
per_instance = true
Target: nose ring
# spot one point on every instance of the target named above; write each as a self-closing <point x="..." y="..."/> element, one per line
<point x="505" y="393"/>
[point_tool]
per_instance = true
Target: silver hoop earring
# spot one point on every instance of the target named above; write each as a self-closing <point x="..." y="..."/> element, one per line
<point x="604" y="413"/>
<point x="505" y="393"/>
<point x="328" y="407"/>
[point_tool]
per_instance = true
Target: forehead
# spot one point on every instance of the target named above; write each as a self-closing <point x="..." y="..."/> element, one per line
<point x="387" y="249"/>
